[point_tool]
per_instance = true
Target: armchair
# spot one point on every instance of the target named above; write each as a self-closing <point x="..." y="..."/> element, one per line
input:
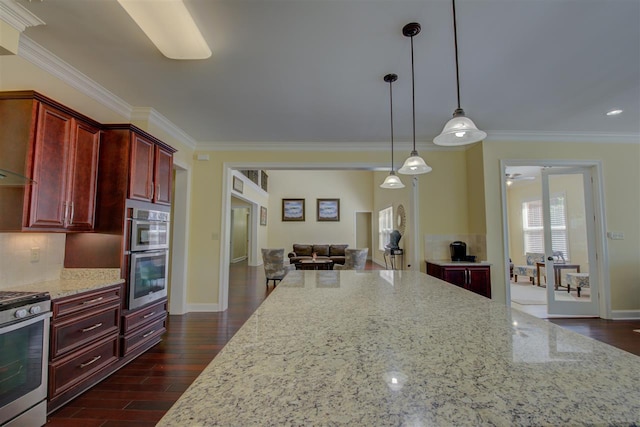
<point x="274" y="268"/>
<point x="529" y="269"/>
<point x="355" y="259"/>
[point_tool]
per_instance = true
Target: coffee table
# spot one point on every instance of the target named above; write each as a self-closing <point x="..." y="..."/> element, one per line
<point x="318" y="264"/>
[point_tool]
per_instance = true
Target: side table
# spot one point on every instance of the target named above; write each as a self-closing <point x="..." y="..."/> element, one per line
<point x="557" y="271"/>
<point x="390" y="258"/>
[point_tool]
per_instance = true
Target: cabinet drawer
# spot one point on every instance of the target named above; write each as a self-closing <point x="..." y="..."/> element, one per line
<point x="86" y="300"/>
<point x="143" y="336"/>
<point x="143" y="316"/>
<point x="77" y="331"/>
<point x="77" y="367"/>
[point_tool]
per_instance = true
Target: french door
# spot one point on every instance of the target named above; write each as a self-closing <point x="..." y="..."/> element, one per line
<point x="569" y="223"/>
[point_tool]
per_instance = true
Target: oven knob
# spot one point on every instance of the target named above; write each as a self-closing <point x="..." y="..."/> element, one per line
<point x="35" y="309"/>
<point x="21" y="313"/>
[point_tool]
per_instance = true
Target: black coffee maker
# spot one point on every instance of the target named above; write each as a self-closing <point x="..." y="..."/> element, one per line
<point x="458" y="251"/>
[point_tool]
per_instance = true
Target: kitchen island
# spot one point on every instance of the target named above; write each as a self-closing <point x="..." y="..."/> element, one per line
<point x="402" y="348"/>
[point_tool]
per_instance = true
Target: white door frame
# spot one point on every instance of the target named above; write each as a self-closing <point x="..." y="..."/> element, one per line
<point x="600" y="249"/>
<point x="180" y="239"/>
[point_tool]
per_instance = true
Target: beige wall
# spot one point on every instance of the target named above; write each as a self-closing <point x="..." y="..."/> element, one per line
<point x="16" y="264"/>
<point x="353" y="188"/>
<point x="621" y="175"/>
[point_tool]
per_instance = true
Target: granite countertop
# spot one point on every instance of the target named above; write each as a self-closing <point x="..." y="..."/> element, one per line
<point x="74" y="281"/>
<point x="364" y="348"/>
<point x="449" y="263"/>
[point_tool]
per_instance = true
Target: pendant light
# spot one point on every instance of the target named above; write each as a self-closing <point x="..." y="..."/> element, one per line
<point x="414" y="165"/>
<point x="392" y="181"/>
<point x="460" y="130"/>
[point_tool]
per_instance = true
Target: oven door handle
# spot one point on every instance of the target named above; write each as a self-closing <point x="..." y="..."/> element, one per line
<point x="21" y="323"/>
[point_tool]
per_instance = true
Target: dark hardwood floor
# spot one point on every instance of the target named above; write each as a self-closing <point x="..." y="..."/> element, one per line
<point x="141" y="392"/>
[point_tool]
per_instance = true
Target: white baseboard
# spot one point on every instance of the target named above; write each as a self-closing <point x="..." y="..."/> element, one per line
<point x="625" y="314"/>
<point x="193" y="308"/>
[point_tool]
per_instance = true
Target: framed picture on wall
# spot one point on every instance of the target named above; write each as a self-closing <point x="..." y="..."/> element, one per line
<point x="328" y="210"/>
<point x="263" y="215"/>
<point x="237" y="184"/>
<point x="293" y="209"/>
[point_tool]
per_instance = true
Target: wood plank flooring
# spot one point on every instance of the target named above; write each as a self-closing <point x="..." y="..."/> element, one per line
<point x="139" y="394"/>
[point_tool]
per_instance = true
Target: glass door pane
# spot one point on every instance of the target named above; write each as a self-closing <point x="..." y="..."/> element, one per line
<point x="569" y="233"/>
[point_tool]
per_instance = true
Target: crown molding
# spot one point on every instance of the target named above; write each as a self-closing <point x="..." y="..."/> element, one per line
<point x="590" y="137"/>
<point x="17" y="16"/>
<point x="39" y="56"/>
<point x="157" y="119"/>
<point x="317" y="146"/>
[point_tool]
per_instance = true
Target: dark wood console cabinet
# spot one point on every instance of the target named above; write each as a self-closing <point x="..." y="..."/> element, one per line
<point x="473" y="278"/>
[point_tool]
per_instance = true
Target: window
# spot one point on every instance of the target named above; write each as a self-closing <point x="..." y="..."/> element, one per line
<point x="533" y="229"/>
<point x="385" y="226"/>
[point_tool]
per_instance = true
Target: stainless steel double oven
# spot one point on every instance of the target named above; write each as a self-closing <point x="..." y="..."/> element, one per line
<point x="148" y="256"/>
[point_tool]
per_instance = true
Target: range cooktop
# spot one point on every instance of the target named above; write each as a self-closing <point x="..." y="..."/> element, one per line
<point x="11" y="299"/>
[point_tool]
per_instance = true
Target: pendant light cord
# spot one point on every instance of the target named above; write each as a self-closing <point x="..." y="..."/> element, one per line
<point x="455" y="43"/>
<point x="413" y="99"/>
<point x="391" y="102"/>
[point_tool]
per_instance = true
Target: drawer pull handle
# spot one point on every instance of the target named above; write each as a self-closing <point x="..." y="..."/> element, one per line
<point x="148" y="333"/>
<point x="146" y="316"/>
<point x="91" y="328"/>
<point x="93" y="300"/>
<point x="90" y="362"/>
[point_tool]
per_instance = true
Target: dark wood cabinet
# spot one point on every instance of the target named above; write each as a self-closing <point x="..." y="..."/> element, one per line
<point x="143" y="327"/>
<point x="475" y="278"/>
<point x="151" y="170"/>
<point x="84" y="346"/>
<point x="163" y="173"/>
<point x="56" y="147"/>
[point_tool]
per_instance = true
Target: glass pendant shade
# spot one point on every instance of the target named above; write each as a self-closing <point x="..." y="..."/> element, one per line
<point x="460" y="130"/>
<point x="392" y="181"/>
<point x="414" y="165"/>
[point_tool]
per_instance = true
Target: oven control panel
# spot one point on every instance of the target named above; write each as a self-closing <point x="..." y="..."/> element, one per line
<point x="24" y="312"/>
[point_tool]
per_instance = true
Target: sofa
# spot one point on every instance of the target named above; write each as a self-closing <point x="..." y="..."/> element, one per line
<point x="325" y="251"/>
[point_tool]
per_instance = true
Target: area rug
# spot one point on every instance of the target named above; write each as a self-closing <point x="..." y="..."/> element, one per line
<point x="527" y="294"/>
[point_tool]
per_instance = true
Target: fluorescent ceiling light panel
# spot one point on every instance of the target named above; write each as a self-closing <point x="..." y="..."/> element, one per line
<point x="169" y="25"/>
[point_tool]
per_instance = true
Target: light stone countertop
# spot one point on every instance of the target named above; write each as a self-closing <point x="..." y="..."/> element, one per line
<point x="382" y="348"/>
<point x="74" y="281"/>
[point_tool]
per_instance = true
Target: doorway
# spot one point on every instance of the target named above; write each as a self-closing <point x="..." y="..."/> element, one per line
<point x="553" y="214"/>
<point x="239" y="238"/>
<point x="364" y="231"/>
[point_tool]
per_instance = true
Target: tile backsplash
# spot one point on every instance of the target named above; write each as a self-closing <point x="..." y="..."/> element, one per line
<point x="436" y="246"/>
<point x="18" y="267"/>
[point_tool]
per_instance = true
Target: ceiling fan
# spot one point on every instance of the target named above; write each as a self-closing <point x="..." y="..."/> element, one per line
<point x="511" y="177"/>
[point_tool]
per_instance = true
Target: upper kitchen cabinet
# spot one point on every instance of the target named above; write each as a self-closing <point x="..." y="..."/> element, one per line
<point x="56" y="147"/>
<point x="151" y="170"/>
<point x="134" y="165"/>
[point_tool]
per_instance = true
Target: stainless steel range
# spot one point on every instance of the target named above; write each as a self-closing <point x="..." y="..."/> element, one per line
<point x="24" y="344"/>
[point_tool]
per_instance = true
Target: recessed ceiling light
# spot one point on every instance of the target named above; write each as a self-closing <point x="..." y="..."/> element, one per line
<point x="614" y="112"/>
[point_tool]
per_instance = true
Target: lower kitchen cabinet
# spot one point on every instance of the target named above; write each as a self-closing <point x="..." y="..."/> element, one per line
<point x="475" y="278"/>
<point x="84" y="348"/>
<point x="143" y="327"/>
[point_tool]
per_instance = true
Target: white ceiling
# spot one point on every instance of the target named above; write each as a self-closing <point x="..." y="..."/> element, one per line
<point x="311" y="71"/>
